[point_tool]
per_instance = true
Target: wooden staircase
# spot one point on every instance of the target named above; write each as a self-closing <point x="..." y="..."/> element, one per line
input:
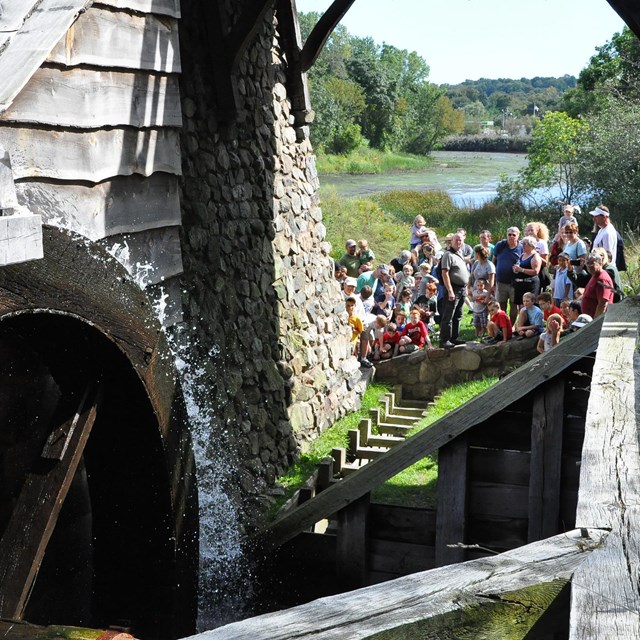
<point x="387" y="426"/>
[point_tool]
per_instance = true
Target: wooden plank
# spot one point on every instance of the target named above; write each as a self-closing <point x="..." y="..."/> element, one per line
<point x="606" y="591"/>
<point x="496" y="534"/>
<point x="91" y="99"/>
<point x="401" y="558"/>
<point x="546" y="460"/>
<point x="103" y="38"/>
<point x="28" y="47"/>
<point x="151" y="256"/>
<point x="499" y="465"/>
<point x="514" y="386"/>
<point x="404" y="524"/>
<point x="125" y="204"/>
<point x="92" y="156"/>
<point x="35" y="515"/>
<point x="351" y="547"/>
<point x="161" y="7"/>
<point x="451" y="514"/>
<point x="501" y="500"/>
<point x="489" y="598"/>
<point x="20" y="239"/>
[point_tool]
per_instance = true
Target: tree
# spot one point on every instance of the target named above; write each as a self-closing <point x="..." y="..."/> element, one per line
<point x="613" y="70"/>
<point x="609" y="158"/>
<point x="553" y="155"/>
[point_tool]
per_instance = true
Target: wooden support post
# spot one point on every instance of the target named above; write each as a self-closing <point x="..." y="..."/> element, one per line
<point x="451" y="517"/>
<point x="35" y="515"/>
<point x="351" y="544"/>
<point x="546" y="460"/>
<point x="325" y="474"/>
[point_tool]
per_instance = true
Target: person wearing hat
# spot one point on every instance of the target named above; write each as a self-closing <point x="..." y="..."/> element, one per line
<point x="351" y="259"/>
<point x="581" y="321"/>
<point x="349" y="290"/>
<point x="404" y="258"/>
<point x="376" y="279"/>
<point x="607" y="236"/>
<point x="598" y="294"/>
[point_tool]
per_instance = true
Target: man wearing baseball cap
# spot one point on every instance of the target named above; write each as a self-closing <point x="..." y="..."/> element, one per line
<point x="350" y="259"/>
<point x="607" y="236"/>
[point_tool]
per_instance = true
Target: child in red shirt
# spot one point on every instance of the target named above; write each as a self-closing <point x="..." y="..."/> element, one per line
<point x="499" y="328"/>
<point x="414" y="334"/>
<point x="390" y="339"/>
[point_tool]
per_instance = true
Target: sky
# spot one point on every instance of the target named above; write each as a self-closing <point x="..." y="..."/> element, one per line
<point x="471" y="39"/>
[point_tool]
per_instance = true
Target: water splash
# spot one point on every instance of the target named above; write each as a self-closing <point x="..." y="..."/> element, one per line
<point x="225" y="584"/>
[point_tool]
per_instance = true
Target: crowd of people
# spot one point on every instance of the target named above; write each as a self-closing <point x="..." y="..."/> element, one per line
<point x="519" y="287"/>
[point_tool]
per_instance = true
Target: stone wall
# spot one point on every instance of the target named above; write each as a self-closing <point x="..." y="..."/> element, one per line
<point x="424" y="374"/>
<point x="261" y="305"/>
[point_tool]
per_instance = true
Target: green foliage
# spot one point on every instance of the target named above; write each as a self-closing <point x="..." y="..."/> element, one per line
<point x="609" y="158"/>
<point x="434" y="206"/>
<point x="365" y="160"/>
<point x="362" y="218"/>
<point x="516" y="96"/>
<point x="631" y="277"/>
<point x="613" y="71"/>
<point x="381" y="92"/>
<point x="553" y="156"/>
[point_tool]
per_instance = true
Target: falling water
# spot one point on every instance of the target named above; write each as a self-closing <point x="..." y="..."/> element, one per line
<point x="225" y="585"/>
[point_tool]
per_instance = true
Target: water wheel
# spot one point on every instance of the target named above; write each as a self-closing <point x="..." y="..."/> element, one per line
<point x="98" y="508"/>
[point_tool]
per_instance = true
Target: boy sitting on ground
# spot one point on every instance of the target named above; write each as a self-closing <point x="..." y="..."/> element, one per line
<point x="376" y="339"/>
<point x="499" y="328"/>
<point x="530" y="320"/>
<point x="414" y="335"/>
<point x="389" y="341"/>
<point x="545" y="302"/>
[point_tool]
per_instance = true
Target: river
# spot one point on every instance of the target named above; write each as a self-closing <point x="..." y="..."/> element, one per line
<point x="469" y="177"/>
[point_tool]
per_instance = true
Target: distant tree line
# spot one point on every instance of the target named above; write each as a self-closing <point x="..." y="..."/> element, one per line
<point x="376" y="94"/>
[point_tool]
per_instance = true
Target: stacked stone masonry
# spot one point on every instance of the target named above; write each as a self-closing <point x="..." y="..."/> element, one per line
<point x="260" y="300"/>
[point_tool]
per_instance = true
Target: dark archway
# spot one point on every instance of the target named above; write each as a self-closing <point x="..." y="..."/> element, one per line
<point x="124" y="549"/>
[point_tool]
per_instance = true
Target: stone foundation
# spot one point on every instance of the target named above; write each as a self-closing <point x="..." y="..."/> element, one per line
<point x="424" y="374"/>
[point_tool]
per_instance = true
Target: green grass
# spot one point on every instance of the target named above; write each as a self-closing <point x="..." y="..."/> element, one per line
<point x="416" y="486"/>
<point x="365" y="160"/>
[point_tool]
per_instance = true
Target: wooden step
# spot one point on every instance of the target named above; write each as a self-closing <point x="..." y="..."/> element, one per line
<point x="393" y="429"/>
<point x="384" y="441"/>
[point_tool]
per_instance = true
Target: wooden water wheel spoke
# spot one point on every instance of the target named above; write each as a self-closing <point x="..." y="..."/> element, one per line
<point x="34" y="517"/>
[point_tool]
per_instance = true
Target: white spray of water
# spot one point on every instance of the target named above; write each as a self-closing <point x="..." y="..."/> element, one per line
<point x="225" y="579"/>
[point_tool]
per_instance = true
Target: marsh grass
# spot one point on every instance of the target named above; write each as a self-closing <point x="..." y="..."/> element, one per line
<point x="371" y="161"/>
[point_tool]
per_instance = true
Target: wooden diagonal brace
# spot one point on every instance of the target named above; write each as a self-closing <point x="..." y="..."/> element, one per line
<point x="35" y="515"/>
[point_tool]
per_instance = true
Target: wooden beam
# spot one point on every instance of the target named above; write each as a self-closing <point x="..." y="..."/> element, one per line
<point x="496" y="598"/>
<point x="297" y="86"/>
<point x="546" y="460"/>
<point x="516" y="385"/>
<point x="34" y="517"/>
<point x="605" y="592"/>
<point x="451" y="514"/>
<point x="321" y="32"/>
<point x="161" y="7"/>
<point x="20" y="239"/>
<point x="628" y="10"/>
<point x="125" y="204"/>
<point x="351" y="547"/>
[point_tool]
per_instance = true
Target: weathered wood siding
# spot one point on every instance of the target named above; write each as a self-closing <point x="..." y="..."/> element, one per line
<point x="93" y="127"/>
